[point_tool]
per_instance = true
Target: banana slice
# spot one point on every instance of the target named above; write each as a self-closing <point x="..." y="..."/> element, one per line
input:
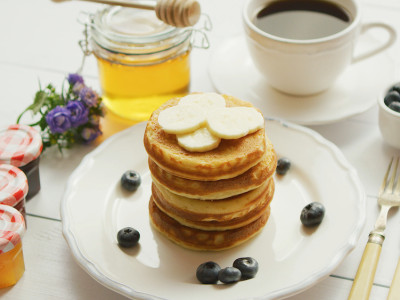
<point x="181" y="119"/>
<point x="234" y="122"/>
<point x="206" y="100"/>
<point x="200" y="140"/>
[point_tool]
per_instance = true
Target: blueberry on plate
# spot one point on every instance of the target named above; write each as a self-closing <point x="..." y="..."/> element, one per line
<point x="283" y="166"/>
<point x="128" y="237"/>
<point x="208" y="272"/>
<point x="130" y="180"/>
<point x="229" y="275"/>
<point x="312" y="214"/>
<point x="248" y="266"/>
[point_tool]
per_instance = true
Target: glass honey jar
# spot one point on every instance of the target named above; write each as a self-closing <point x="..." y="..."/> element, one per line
<point x="142" y="62"/>
<point x="12" y="228"/>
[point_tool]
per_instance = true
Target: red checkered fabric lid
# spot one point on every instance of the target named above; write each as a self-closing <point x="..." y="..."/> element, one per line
<point x="19" y="145"/>
<point x="12" y="228"/>
<point x="13" y="185"/>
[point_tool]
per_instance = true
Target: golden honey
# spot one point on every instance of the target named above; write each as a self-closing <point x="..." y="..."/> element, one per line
<point x="135" y="92"/>
<point x="12" y="266"/>
<point x="142" y="62"/>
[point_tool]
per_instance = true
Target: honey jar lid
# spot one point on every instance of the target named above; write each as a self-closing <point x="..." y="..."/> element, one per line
<point x="19" y="145"/>
<point x="13" y="185"/>
<point x="134" y="31"/>
<point x="12" y="228"/>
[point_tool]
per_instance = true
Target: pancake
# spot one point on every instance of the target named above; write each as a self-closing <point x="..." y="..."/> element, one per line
<point x="218" y="222"/>
<point x="230" y="159"/>
<point x="220" y="189"/>
<point x="207" y="210"/>
<point x="197" y="239"/>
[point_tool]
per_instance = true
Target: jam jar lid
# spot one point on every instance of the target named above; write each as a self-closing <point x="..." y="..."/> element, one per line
<point x="13" y="185"/>
<point x="12" y="228"/>
<point x="19" y="145"/>
<point x="134" y="31"/>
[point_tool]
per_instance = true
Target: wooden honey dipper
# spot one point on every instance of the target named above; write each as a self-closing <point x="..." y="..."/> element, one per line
<point x="178" y="13"/>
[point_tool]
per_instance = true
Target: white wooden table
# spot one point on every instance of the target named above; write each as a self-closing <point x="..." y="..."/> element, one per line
<point x="39" y="41"/>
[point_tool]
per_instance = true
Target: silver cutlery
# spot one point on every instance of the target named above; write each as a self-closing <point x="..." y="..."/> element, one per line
<point x="389" y="196"/>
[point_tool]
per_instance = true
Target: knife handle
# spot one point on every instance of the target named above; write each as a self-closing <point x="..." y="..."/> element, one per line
<point x="364" y="279"/>
<point x="394" y="291"/>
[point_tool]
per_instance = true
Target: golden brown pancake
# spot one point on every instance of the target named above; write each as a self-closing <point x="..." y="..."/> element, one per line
<point x="197" y="239"/>
<point x="207" y="210"/>
<point x="230" y="159"/>
<point x="220" y="189"/>
<point x="195" y="221"/>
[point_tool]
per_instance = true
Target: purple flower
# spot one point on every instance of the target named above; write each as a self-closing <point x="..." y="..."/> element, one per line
<point x="79" y="113"/>
<point x="75" y="78"/>
<point x="76" y="89"/>
<point x="89" y="134"/>
<point x="59" y="119"/>
<point x="88" y="96"/>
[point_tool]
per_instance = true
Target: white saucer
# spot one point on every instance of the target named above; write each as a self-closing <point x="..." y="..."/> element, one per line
<point x="232" y="72"/>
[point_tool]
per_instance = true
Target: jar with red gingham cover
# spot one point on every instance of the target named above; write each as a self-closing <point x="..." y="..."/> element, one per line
<point x="12" y="228"/>
<point x="21" y="146"/>
<point x="13" y="187"/>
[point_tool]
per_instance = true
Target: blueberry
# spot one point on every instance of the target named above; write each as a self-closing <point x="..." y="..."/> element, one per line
<point x="312" y="214"/>
<point x="128" y="237"/>
<point x="395" y="87"/>
<point x="130" y="180"/>
<point x="229" y="275"/>
<point x="248" y="266"/>
<point x="208" y="272"/>
<point x="283" y="166"/>
<point x="392" y="96"/>
<point x="395" y="106"/>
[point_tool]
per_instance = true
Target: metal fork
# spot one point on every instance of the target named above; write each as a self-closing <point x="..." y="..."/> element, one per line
<point x="389" y="196"/>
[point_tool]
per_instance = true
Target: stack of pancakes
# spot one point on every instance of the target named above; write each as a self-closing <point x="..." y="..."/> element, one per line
<point x="209" y="200"/>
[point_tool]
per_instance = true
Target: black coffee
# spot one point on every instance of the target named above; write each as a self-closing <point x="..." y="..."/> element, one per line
<point x="302" y="19"/>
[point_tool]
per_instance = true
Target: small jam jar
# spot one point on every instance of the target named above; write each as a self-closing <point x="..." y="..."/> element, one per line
<point x="12" y="228"/>
<point x="13" y="187"/>
<point x="142" y="62"/>
<point x="21" y="146"/>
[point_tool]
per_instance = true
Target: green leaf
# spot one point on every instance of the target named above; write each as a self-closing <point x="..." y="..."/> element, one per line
<point x="40" y="98"/>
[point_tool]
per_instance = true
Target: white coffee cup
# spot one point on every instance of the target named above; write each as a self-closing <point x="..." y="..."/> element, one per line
<point x="305" y="67"/>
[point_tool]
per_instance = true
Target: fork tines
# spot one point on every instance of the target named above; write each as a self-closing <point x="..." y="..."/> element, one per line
<point x="390" y="184"/>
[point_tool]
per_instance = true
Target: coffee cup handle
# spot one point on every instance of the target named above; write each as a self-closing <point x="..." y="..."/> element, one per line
<point x="387" y="44"/>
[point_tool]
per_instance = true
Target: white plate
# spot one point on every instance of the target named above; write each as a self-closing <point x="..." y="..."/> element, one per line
<point x="233" y="72"/>
<point x="291" y="259"/>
